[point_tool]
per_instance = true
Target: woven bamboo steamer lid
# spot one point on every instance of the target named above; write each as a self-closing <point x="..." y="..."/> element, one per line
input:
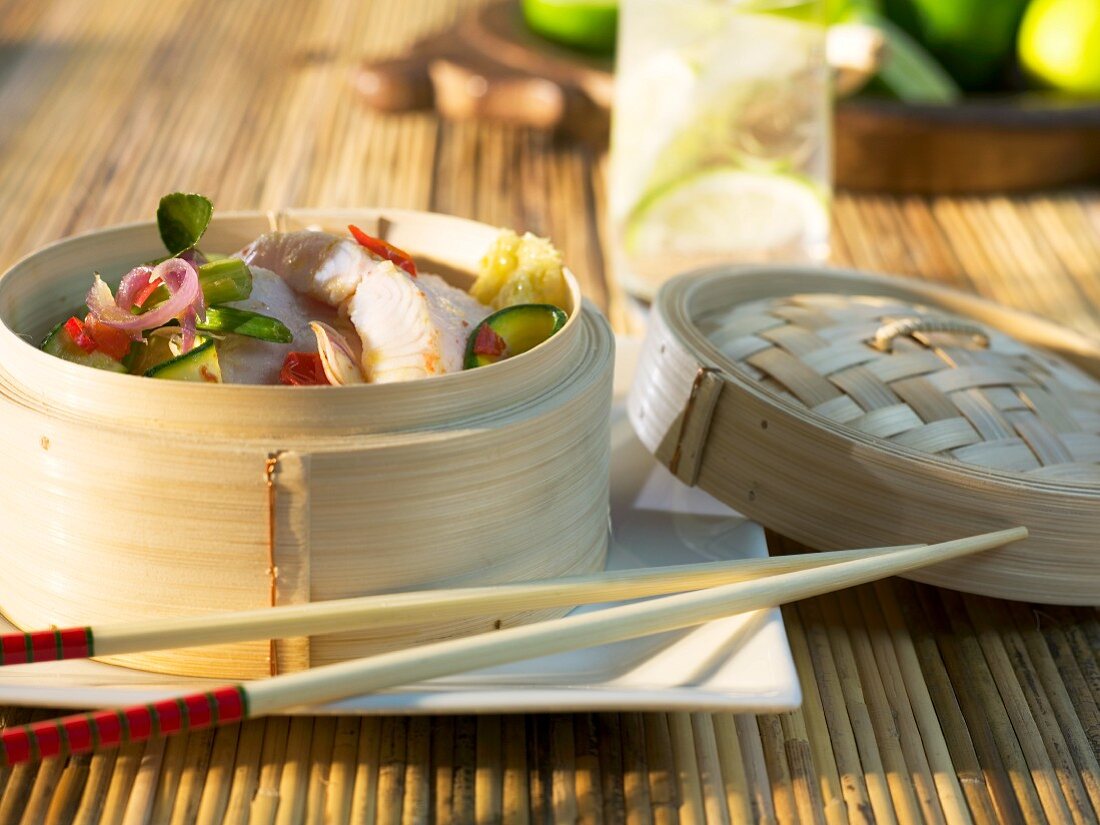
<point x="845" y="409"/>
<point x="129" y="498"/>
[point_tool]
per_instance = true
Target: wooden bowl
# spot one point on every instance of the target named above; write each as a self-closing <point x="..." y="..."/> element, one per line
<point x="792" y="416"/>
<point x="130" y="498"/>
<point x="980" y="145"/>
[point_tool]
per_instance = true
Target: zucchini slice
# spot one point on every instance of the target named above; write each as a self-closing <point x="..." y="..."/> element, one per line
<point x="512" y="331"/>
<point x="200" y="364"/>
<point x="59" y="343"/>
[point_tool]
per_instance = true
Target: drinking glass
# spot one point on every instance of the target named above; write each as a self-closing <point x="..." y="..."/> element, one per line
<point x="720" y="145"/>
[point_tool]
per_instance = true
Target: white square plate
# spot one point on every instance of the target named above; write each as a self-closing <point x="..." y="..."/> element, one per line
<point x="741" y="663"/>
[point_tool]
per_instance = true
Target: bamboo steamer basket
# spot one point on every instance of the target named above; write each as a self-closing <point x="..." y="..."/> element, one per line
<point x="845" y="409"/>
<point x="129" y="498"/>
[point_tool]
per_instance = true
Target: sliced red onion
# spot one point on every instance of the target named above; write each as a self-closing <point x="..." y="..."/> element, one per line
<point x="132" y="283"/>
<point x="187" y="325"/>
<point x="337" y="357"/>
<point x="184" y="297"/>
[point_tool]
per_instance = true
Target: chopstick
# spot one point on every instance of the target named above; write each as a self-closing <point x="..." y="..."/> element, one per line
<point x="397" y="608"/>
<point x="108" y="728"/>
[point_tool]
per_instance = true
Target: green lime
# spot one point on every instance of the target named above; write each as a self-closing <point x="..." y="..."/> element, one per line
<point x="973" y="39"/>
<point x="584" y="24"/>
<point x="1059" y="44"/>
<point x="727" y="211"/>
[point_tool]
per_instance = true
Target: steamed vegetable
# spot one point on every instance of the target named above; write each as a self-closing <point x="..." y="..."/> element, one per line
<point x="243" y="322"/>
<point x="222" y="282"/>
<point x="303" y="369"/>
<point x="384" y="250"/>
<point x="521" y="270"/>
<point x="512" y="331"/>
<point x="182" y="219"/>
<point x="69" y="342"/>
<point x="198" y="364"/>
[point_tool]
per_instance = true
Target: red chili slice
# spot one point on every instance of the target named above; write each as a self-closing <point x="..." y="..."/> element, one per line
<point x="303" y="369"/>
<point x="106" y="338"/>
<point x="488" y="342"/>
<point x="143" y="294"/>
<point x="75" y="328"/>
<point x="384" y="250"/>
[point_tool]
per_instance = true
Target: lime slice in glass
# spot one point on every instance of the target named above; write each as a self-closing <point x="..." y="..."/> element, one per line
<point x="584" y="24"/>
<point x="727" y="211"/>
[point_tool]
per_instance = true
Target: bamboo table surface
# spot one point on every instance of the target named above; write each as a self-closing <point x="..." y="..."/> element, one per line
<point x="920" y="704"/>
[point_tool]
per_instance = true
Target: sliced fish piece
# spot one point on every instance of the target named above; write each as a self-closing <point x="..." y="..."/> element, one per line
<point x="327" y="267"/>
<point x="411" y="327"/>
<point x="250" y="361"/>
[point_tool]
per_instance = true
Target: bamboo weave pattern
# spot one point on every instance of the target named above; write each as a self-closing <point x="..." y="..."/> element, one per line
<point x="994" y="402"/>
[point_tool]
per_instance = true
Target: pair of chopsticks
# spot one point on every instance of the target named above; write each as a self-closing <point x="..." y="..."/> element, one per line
<point x="718" y="589"/>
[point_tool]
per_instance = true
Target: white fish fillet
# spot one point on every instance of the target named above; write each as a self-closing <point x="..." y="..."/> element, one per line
<point x="250" y="361"/>
<point x="409" y="327"/>
<point x="318" y="264"/>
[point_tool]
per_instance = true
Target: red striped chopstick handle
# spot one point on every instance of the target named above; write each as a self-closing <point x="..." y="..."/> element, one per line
<point x="46" y="646"/>
<point x="84" y="732"/>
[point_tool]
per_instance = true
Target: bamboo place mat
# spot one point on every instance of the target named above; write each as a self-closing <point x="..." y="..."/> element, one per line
<point x="920" y="704"/>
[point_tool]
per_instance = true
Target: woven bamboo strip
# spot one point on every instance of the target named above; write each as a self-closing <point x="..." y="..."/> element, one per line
<point x="804" y="772"/>
<point x="1012" y="794"/>
<point x="336" y="794"/>
<point x="364" y="803"/>
<point x="1033" y="719"/>
<point x="1072" y="672"/>
<point x="143" y="793"/>
<point x="562" y="768"/>
<point x="125" y="772"/>
<point x="489" y="778"/>
<point x="663" y="789"/>
<point x="322" y="740"/>
<point x="219" y="776"/>
<point x="895" y="726"/>
<point x="70" y="788"/>
<point x="16" y="793"/>
<point x="515" y="803"/>
<point x="418" y="748"/>
<point x="246" y="771"/>
<point x="1027" y="761"/>
<point x="607" y="733"/>
<point x="442" y="765"/>
<point x="841" y="733"/>
<point x="1082" y="758"/>
<point x="906" y="611"/>
<point x="192" y="777"/>
<point x="636" y="772"/>
<point x="11" y="717"/>
<point x="95" y="789"/>
<point x="265" y="803"/>
<point x="734" y="780"/>
<point x="538" y="778"/>
<point x="43" y="790"/>
<point x="1084" y="638"/>
<point x="587" y="780"/>
<point x="907" y="677"/>
<point x="391" y="769"/>
<point x="708" y="761"/>
<point x="465" y="765"/>
<point x="814" y="726"/>
<point x="691" y="810"/>
<point x="779" y="772"/>
<point x="878" y="789"/>
<point x="756" y="769"/>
